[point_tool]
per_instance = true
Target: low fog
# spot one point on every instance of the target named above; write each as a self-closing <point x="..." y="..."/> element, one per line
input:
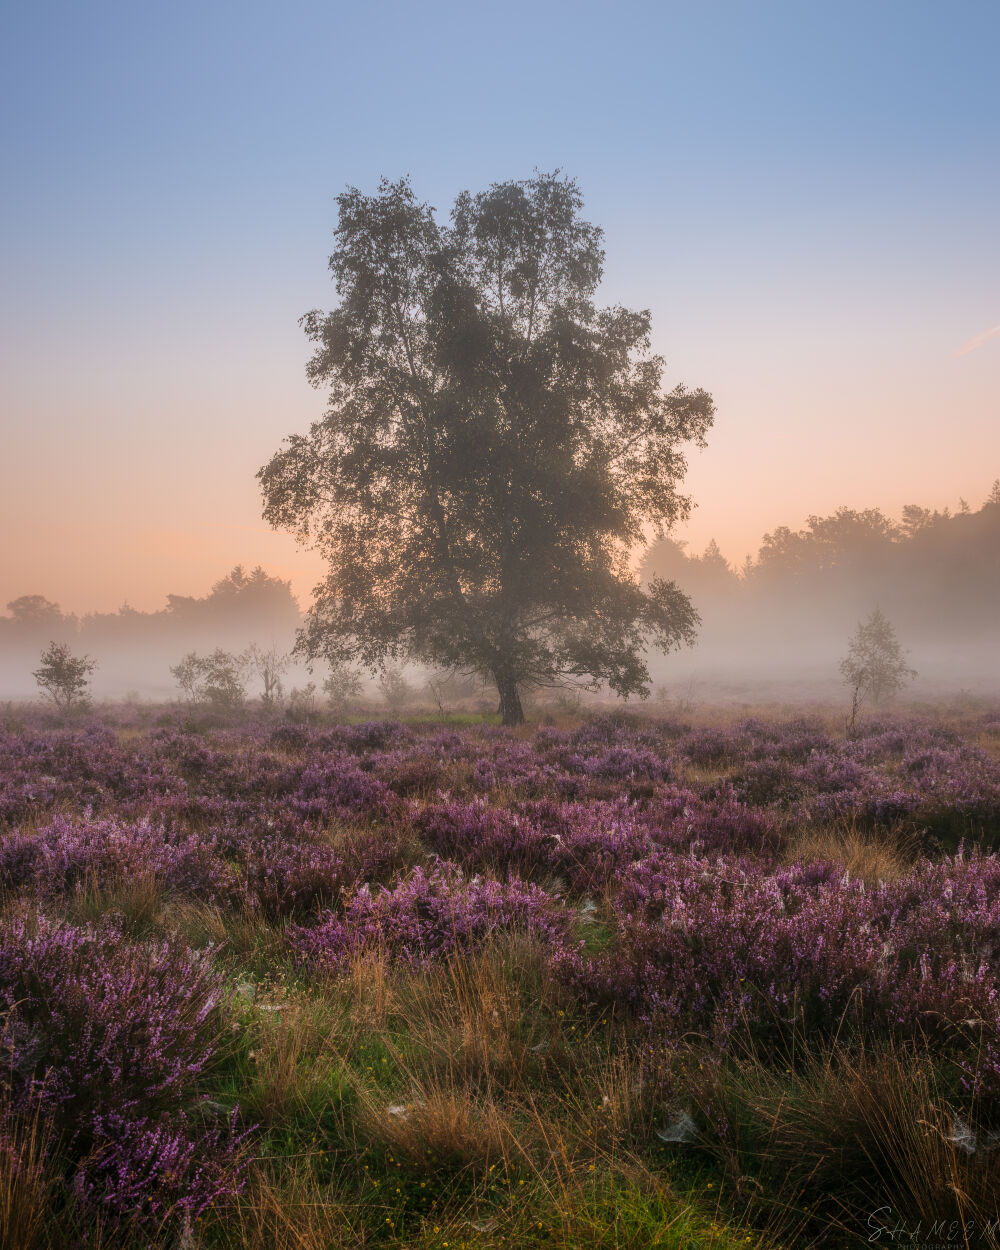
<point x="135" y="651"/>
<point x="774" y="630"/>
<point x="778" y="627"/>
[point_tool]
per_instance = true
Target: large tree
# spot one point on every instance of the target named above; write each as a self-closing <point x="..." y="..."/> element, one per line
<point x="494" y="449"/>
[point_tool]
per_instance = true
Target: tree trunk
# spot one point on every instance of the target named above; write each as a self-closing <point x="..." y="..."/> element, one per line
<point x="510" y="700"/>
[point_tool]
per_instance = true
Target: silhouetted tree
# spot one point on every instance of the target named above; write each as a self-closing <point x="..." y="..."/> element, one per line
<point x="874" y="667"/>
<point x="713" y="560"/>
<point x="64" y="677"/>
<point x="916" y="518"/>
<point x="847" y="540"/>
<point x="494" y="446"/>
<point x="253" y="601"/>
<point x="666" y="559"/>
<point x="708" y="578"/>
<point x="32" y="611"/>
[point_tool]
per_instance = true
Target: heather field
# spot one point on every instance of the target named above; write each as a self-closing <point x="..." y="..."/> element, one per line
<point x="618" y="982"/>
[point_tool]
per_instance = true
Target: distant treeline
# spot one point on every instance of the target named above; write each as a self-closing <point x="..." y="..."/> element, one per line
<point x="936" y="575"/>
<point x="135" y="649"/>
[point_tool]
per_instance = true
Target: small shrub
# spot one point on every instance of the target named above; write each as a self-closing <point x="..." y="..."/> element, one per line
<point x="64" y="677"/>
<point x="109" y="1041"/>
<point x="217" y="679"/>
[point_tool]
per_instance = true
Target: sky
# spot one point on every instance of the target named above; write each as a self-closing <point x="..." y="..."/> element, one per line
<point x="804" y="194"/>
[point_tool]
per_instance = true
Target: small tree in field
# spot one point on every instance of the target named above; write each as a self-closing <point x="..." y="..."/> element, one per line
<point x="268" y="663"/>
<point x="874" y="668"/>
<point x="302" y="703"/>
<point x="64" y="677"/>
<point x="342" y="687"/>
<point x="217" y="679"/>
<point x="395" y="689"/>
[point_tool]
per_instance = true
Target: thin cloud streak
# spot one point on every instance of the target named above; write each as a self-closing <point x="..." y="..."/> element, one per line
<point x="978" y="341"/>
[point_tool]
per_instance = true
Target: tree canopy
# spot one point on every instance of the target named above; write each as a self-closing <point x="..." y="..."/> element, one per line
<point x="495" y="447"/>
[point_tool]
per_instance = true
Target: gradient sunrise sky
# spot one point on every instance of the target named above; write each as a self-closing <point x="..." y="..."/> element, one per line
<point x="805" y="194"/>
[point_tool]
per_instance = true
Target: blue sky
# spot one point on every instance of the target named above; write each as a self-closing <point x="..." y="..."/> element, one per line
<point x="804" y="194"/>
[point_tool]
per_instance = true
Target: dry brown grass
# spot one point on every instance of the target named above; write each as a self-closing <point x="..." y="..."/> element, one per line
<point x="136" y="901"/>
<point x="25" y="1185"/>
<point x="284" y="1208"/>
<point x="488" y="1067"/>
<point x="452" y="1127"/>
<point x="873" y="855"/>
<point x="469" y="1018"/>
<point x="851" y="1136"/>
<point x="465" y="1103"/>
<point x="990" y="743"/>
<point x="243" y="938"/>
<point x="292" y="1041"/>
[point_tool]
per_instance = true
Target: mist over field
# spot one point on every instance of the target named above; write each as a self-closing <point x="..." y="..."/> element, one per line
<point x="772" y="631"/>
<point x="776" y="628"/>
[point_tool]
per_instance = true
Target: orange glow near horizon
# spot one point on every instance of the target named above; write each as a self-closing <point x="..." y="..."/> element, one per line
<point x="115" y="497"/>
